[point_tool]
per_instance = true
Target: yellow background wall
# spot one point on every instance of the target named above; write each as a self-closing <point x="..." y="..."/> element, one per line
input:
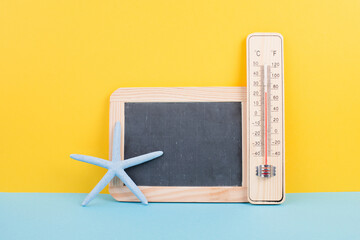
<point x="61" y="60"/>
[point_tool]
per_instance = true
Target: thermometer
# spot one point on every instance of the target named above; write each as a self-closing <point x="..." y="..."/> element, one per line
<point x="265" y="118"/>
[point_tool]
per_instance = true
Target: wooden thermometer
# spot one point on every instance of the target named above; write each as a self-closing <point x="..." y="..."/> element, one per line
<point x="265" y="112"/>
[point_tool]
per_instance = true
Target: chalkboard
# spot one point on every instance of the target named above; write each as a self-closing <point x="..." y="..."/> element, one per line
<point x="201" y="141"/>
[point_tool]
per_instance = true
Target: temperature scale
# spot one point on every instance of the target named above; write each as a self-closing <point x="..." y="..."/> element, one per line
<point x="265" y="116"/>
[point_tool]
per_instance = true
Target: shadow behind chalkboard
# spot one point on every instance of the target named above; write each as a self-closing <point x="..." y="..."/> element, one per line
<point x="201" y="141"/>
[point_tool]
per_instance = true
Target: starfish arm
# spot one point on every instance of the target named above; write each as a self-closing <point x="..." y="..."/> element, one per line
<point x="93" y="160"/>
<point x="100" y="186"/>
<point x="141" y="159"/>
<point x="116" y="156"/>
<point x="131" y="185"/>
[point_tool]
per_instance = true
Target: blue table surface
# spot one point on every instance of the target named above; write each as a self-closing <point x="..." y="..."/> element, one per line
<point x="60" y="216"/>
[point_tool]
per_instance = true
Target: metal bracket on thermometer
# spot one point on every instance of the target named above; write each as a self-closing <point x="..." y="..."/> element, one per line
<point x="265" y="171"/>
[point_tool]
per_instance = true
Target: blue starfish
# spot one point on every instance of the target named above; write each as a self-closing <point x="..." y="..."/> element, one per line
<point x="116" y="167"/>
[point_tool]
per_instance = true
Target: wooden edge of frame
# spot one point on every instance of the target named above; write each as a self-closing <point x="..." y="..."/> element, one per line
<point x="178" y="94"/>
<point x="183" y="194"/>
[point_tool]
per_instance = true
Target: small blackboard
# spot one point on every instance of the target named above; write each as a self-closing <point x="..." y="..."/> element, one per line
<point x="202" y="132"/>
<point x="201" y="142"/>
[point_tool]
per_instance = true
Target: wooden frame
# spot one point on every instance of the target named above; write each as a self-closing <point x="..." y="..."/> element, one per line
<point x="179" y="94"/>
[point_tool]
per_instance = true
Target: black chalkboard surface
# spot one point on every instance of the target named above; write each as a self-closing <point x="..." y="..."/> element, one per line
<point x="201" y="141"/>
